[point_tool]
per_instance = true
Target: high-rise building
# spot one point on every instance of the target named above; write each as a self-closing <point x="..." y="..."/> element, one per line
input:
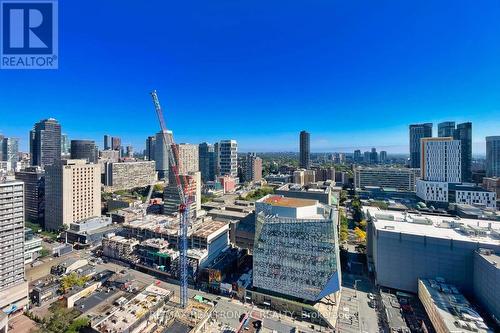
<point x="446" y="129"/>
<point x="65" y="145"/>
<point x="417" y="132"/>
<point x="45" y="143"/>
<point x="128" y="175"/>
<point x="129" y="151"/>
<point x="9" y="149"/>
<point x="296" y="252"/>
<point x="188" y="158"/>
<point x="207" y="159"/>
<point x="13" y="286"/>
<point x="367" y="157"/>
<point x="493" y="156"/>
<point x="161" y="155"/>
<point x="228" y="158"/>
<point x="107" y="142"/>
<point x="84" y="150"/>
<point x="116" y="143"/>
<point x="463" y="132"/>
<point x="402" y="179"/>
<point x="383" y="157"/>
<point x="304" y="177"/>
<point x="150" y="148"/>
<point x="373" y="156"/>
<point x="34" y="193"/>
<point x="253" y="168"/>
<point x="357" y="156"/>
<point x="72" y="192"/>
<point x="171" y="194"/>
<point x="305" y="150"/>
<point x="440" y="165"/>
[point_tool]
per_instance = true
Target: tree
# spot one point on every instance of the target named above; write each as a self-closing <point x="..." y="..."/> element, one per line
<point x="360" y="234"/>
<point x="72" y="279"/>
<point x="344" y="227"/>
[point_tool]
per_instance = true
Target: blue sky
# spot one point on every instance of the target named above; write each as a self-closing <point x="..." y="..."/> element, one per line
<point x="353" y="73"/>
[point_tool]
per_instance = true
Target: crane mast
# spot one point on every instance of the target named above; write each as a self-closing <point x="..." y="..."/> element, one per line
<point x="185" y="196"/>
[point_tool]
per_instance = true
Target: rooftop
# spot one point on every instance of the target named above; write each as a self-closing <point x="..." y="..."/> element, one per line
<point x="452" y="307"/>
<point x="444" y="227"/>
<point x="281" y="201"/>
<point x="490" y="256"/>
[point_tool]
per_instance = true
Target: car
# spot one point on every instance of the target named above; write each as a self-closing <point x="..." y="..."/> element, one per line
<point x="371" y="296"/>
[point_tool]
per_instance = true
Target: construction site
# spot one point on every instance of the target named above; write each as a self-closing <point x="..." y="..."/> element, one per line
<point x="154" y="311"/>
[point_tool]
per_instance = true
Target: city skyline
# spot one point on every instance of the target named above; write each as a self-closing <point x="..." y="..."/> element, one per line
<point x="361" y="80"/>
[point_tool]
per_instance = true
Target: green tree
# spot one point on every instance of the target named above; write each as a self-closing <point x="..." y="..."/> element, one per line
<point x="71" y="280"/>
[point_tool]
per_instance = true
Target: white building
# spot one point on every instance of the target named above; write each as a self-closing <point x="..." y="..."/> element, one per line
<point x="72" y="192"/>
<point x="228" y="158"/>
<point x="440" y="165"/>
<point x="476" y="196"/>
<point x="188" y="158"/>
<point x="402" y="179"/>
<point x="13" y="287"/>
<point x="304" y="177"/>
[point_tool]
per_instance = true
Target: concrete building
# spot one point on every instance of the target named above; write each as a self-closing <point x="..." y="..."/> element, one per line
<point x="419" y="245"/>
<point x="324" y="173"/>
<point x="116" y="143"/>
<point x="9" y="150"/>
<point x="383" y="157"/>
<point x="441" y="165"/>
<point x="253" y="168"/>
<point x="403" y="179"/>
<point x="357" y="156"/>
<point x="150" y="148"/>
<point x="13" y="287"/>
<point x="305" y="150"/>
<point x="161" y="154"/>
<point x="171" y="194"/>
<point x="128" y="175"/>
<point x="32" y="246"/>
<point x="304" y="177"/>
<point x="374" y="156"/>
<point x="323" y="192"/>
<point x="493" y="156"/>
<point x="417" y="132"/>
<point x="65" y="145"/>
<point x="72" y="193"/>
<point x="188" y="158"/>
<point x="84" y="150"/>
<point x="34" y="193"/>
<point x="472" y="195"/>
<point x="228" y="158"/>
<point x="279" y="178"/>
<point x="446" y="129"/>
<point x="90" y="231"/>
<point x="296" y="250"/>
<point x="448" y="310"/>
<point x="207" y="160"/>
<point x="486" y="280"/>
<point x="109" y="156"/>
<point x="492" y="184"/>
<point x="45" y="143"/>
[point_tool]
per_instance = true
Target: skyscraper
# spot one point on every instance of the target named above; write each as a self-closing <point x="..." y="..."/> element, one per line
<point x="107" y="142"/>
<point x="463" y="132"/>
<point x="188" y="158"/>
<point x="34" y="193"/>
<point x="446" y="129"/>
<point x="72" y="192"/>
<point x="116" y="143"/>
<point x="228" y="158"/>
<point x="207" y="160"/>
<point x="84" y="150"/>
<point x="129" y="151"/>
<point x="383" y="157"/>
<point x="373" y="156"/>
<point x="357" y="156"/>
<point x="65" y="145"/>
<point x="305" y="150"/>
<point x="417" y="132"/>
<point x="150" y="148"/>
<point x="13" y="287"/>
<point x="493" y="156"/>
<point x="9" y="149"/>
<point x="161" y="155"/>
<point x="45" y="143"/>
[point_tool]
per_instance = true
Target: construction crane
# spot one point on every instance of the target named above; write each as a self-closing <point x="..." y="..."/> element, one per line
<point x="185" y="197"/>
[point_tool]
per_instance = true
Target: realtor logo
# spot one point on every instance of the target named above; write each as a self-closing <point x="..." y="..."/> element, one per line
<point x="29" y="37"/>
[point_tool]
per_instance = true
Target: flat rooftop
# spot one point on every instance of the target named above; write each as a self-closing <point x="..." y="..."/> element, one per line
<point x="444" y="227"/>
<point x="280" y="201"/>
<point x="452" y="307"/>
<point x="492" y="258"/>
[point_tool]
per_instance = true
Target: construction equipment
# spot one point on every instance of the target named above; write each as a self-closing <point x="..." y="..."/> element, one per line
<point x="185" y="196"/>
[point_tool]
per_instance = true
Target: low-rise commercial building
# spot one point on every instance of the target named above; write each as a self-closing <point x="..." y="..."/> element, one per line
<point x="419" y="245"/>
<point x="472" y="195"/>
<point x="448" y="310"/>
<point x="304" y="177"/>
<point x="89" y="232"/>
<point x="325" y="192"/>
